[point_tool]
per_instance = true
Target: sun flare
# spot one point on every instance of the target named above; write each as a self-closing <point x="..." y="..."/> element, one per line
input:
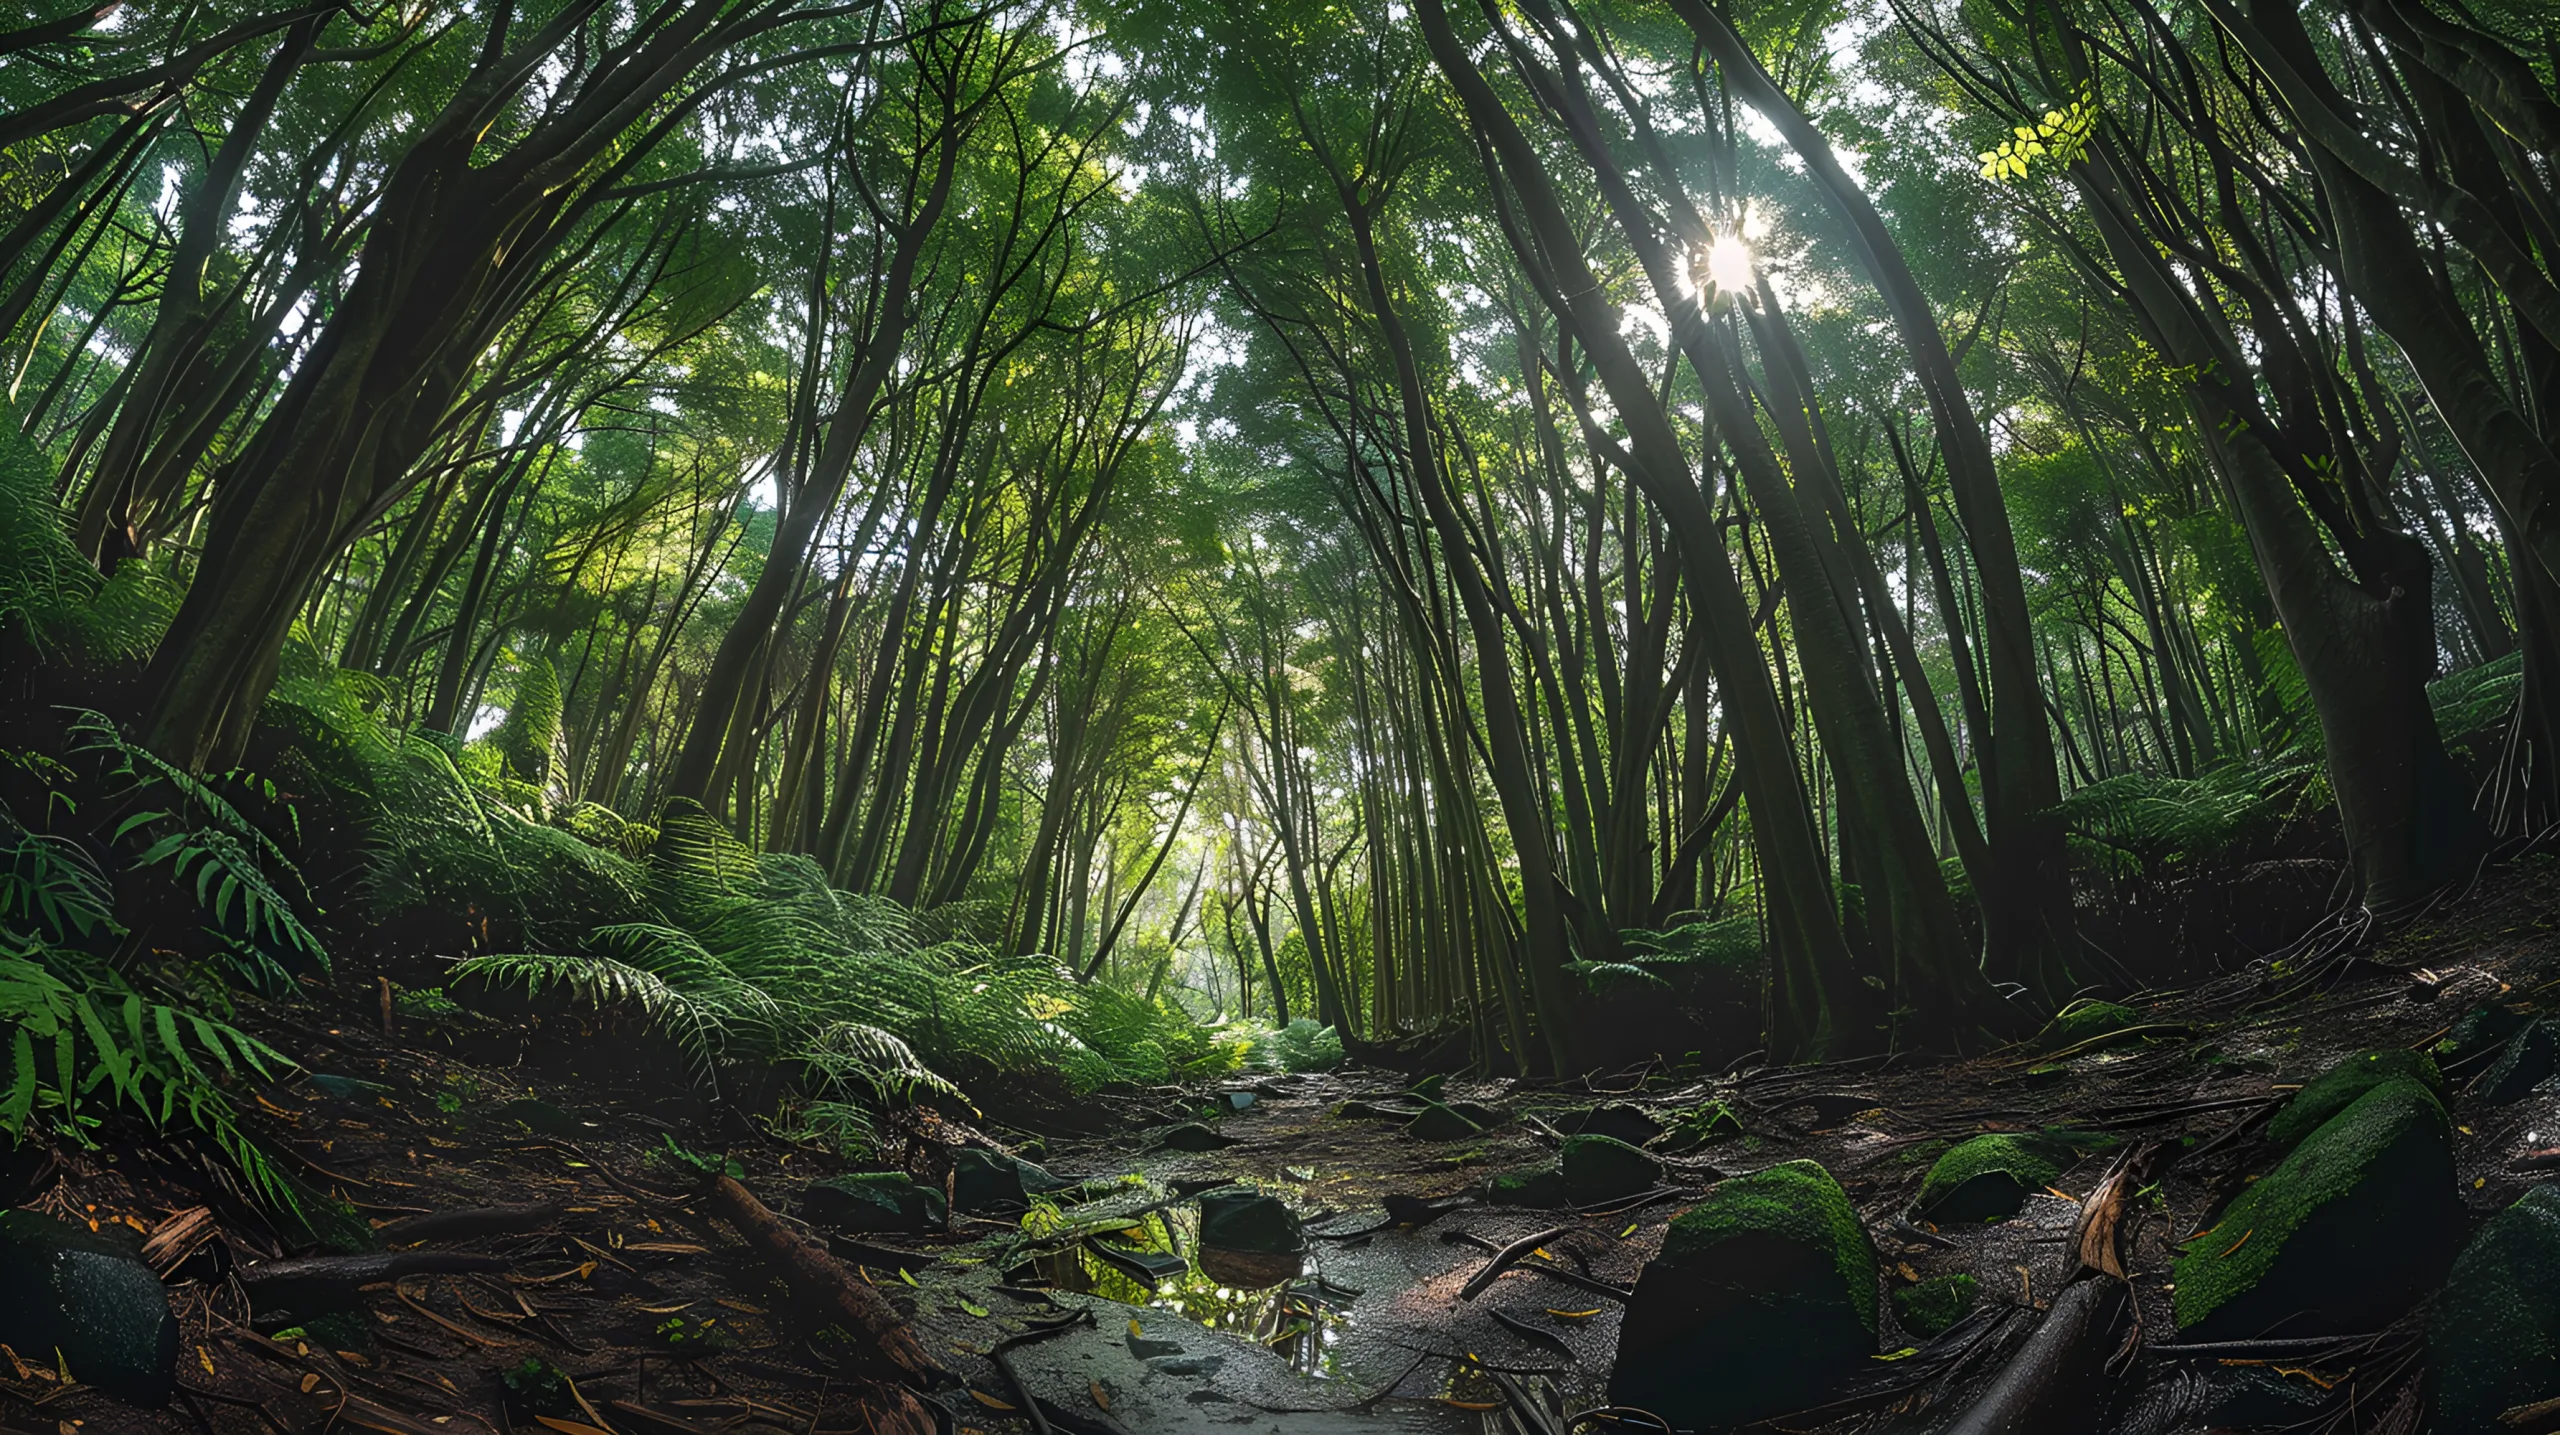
<point x="1729" y="264"/>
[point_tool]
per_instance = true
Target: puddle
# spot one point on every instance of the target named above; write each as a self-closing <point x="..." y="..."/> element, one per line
<point x="1153" y="1261"/>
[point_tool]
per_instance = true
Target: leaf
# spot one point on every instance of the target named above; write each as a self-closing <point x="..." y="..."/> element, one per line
<point x="1574" y="1315"/>
<point x="902" y="1275"/>
<point x="1101" y="1397"/>
<point x="989" y="1401"/>
<point x="973" y="1308"/>
<point x="1904" y="1353"/>
<point x="1630" y="1230"/>
<point x="570" y="1427"/>
<point x="1134" y="1331"/>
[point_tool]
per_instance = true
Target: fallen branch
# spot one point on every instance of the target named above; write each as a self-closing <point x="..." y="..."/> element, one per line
<point x="2047" y="1385"/>
<point x="1507" y="1257"/>
<point x="1021" y="1388"/>
<point x="475" y="1221"/>
<point x="822" y="1281"/>
<point x="314" y="1281"/>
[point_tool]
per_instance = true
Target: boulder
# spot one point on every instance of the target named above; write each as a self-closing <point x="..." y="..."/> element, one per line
<point x="985" y="1182"/>
<point x="1249" y="1239"/>
<point x="2480" y="1031"/>
<point x="2337" y="1088"/>
<point x="1927" y="1309"/>
<point x="1429" y="1087"/>
<point x="869" y="1201"/>
<point x="2531" y="1057"/>
<point x="2343" y="1235"/>
<point x="1439" y="1123"/>
<point x="1193" y="1137"/>
<point x="1989" y="1177"/>
<point x="1762" y="1300"/>
<point x="2085" y="1019"/>
<point x="2493" y="1336"/>
<point x="74" y="1295"/>
<point x="1603" y="1168"/>
<point x="1478" y="1112"/>
<point x="1700" y="1124"/>
<point x="1621" y="1121"/>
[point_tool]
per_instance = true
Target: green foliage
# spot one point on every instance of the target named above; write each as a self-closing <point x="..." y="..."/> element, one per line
<point x="1302" y="1045"/>
<point x="2141" y="823"/>
<point x="47" y="588"/>
<point x="1928" y="1308"/>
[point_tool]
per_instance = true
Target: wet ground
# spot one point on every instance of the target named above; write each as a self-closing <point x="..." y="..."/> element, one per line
<point x="665" y="1323"/>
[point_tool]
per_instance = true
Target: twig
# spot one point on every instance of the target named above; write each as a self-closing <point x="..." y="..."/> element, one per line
<point x="1505" y="1258"/>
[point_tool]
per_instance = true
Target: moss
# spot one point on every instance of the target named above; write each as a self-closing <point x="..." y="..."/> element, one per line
<point x="2085" y="1019"/>
<point x="1527" y="1186"/>
<point x="1760" y="1302"/>
<point x="2343" y="1235"/>
<point x="1989" y="1177"/>
<point x="1708" y="1121"/>
<point x="1928" y="1308"/>
<point x="1795" y="1200"/>
<point x="2337" y="1088"/>
<point x="2493" y="1337"/>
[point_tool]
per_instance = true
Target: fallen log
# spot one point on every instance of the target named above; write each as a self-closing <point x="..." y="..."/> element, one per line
<point x="2052" y="1383"/>
<point x="474" y="1221"/>
<point x="312" y="1282"/>
<point x="821" y="1280"/>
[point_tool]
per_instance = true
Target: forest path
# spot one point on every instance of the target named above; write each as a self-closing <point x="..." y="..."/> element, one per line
<point x="670" y="1324"/>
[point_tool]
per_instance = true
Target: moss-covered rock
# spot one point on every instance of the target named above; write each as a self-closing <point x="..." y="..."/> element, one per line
<point x="2531" y="1057"/>
<point x="1429" y="1087"/>
<point x="1587" y="1171"/>
<point x="2343" y="1235"/>
<point x="1928" y="1308"/>
<point x="2337" y="1088"/>
<point x="2480" y="1031"/>
<point x="1439" y="1123"/>
<point x="1700" y="1124"/>
<point x="868" y="1201"/>
<point x="1620" y="1121"/>
<point x="1762" y="1299"/>
<point x="76" y="1298"/>
<point x="1989" y="1177"/>
<point x="2087" y="1019"/>
<point x="1602" y="1168"/>
<point x="991" y="1182"/>
<point x="2493" y="1336"/>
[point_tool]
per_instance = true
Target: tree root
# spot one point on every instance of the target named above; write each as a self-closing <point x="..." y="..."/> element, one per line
<point x="822" y="1281"/>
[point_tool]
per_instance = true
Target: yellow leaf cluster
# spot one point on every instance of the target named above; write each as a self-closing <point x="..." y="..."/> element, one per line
<point x="2061" y="134"/>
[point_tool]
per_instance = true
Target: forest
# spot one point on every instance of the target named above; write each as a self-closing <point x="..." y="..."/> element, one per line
<point x="1525" y="716"/>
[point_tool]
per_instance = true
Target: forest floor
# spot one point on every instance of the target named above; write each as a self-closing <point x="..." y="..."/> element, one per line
<point x="666" y="1322"/>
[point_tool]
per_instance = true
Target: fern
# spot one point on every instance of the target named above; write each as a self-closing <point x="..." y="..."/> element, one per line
<point x="53" y="883"/>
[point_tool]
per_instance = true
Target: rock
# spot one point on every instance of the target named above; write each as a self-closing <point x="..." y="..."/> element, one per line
<point x="1485" y="1116"/>
<point x="989" y="1181"/>
<point x="2337" y="1088"/>
<point x="1695" y="1127"/>
<point x="1927" y="1309"/>
<point x="2085" y="1019"/>
<point x="1194" y="1137"/>
<point x="1989" y="1177"/>
<point x="1601" y="1168"/>
<point x="84" y="1295"/>
<point x="1622" y="1121"/>
<point x="2479" y="1031"/>
<point x="864" y="1201"/>
<point x="1439" y="1123"/>
<point x="2342" y="1236"/>
<point x="1589" y="1170"/>
<point x="2531" y="1057"/>
<point x="1249" y="1239"/>
<point x="1429" y="1087"/>
<point x="1761" y="1301"/>
<point x="2493" y="1336"/>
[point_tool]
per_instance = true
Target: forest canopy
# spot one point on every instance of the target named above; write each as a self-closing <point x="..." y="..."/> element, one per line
<point x="906" y="541"/>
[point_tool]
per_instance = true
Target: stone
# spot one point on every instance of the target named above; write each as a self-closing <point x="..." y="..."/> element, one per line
<point x="2346" y="1233"/>
<point x="1249" y="1239"/>
<point x="2530" y="1058"/>
<point x="2479" y="1031"/>
<point x="2337" y="1088"/>
<point x="2086" y="1019"/>
<point x="84" y="1298"/>
<point x="992" y="1182"/>
<point x="1485" y="1116"/>
<point x="1701" y="1124"/>
<point x="1989" y="1177"/>
<point x="2493" y="1335"/>
<point x="1762" y="1300"/>
<point x="1929" y="1308"/>
<point x="1439" y="1123"/>
<point x="1622" y="1121"/>
<point x="1429" y="1087"/>
<point x="1193" y="1137"/>
<point x="1601" y="1168"/>
<point x="868" y="1201"/>
<point x="1588" y="1171"/>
